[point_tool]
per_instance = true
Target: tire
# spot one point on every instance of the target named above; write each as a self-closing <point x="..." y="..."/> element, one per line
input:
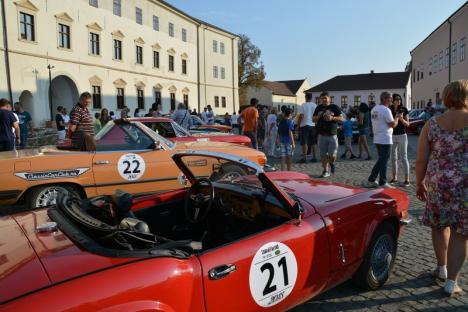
<point x="228" y="170"/>
<point x="44" y="196"/>
<point x="379" y="259"/>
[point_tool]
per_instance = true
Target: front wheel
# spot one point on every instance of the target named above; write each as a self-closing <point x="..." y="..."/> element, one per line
<point x="379" y="259"/>
<point x="44" y="196"/>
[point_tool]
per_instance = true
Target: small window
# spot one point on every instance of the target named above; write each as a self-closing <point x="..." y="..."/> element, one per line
<point x="221" y="47"/>
<point x="184" y="35"/>
<point x="155" y="23"/>
<point x="96" y="97"/>
<point x="156" y="59"/>
<point x="462" y="49"/>
<point x="357" y="100"/>
<point x="93" y="3"/>
<point x="171" y="29"/>
<point x="223" y="102"/>
<point x="157" y="97"/>
<point x="215" y="46"/>
<point x="414" y="75"/>
<point x="216" y="100"/>
<point x="140" y="99"/>
<point x="447" y="52"/>
<point x="120" y="98"/>
<point x="332" y="100"/>
<point x="186" y="102"/>
<point x="454" y="53"/>
<point x="139" y="55"/>
<point x="215" y="71"/>
<point x="184" y="67"/>
<point x="27" y="27"/>
<point x="223" y="73"/>
<point x="344" y="100"/>
<point x="171" y="63"/>
<point x="64" y="36"/>
<point x="430" y="66"/>
<point x="441" y="60"/>
<point x="117" y="49"/>
<point x="94" y="44"/>
<point x="370" y="99"/>
<point x="139" y="15"/>
<point x="172" y="101"/>
<point x="117" y="8"/>
<point x="435" y="66"/>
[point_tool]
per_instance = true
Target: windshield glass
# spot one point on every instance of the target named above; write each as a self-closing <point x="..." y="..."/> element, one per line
<point x="160" y="138"/>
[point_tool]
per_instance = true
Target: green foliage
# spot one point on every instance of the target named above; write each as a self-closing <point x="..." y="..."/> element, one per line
<point x="251" y="69"/>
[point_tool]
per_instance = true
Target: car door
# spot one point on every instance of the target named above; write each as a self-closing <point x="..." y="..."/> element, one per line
<point x="127" y="159"/>
<point x="272" y="271"/>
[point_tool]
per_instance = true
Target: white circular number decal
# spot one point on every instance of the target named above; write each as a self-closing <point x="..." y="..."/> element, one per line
<point x="273" y="274"/>
<point x="131" y="167"/>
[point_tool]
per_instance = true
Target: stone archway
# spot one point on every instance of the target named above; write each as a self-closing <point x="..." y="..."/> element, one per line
<point x="64" y="93"/>
<point x="27" y="101"/>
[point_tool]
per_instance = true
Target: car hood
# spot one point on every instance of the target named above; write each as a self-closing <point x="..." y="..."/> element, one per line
<point x="315" y="192"/>
<point x="33" y="260"/>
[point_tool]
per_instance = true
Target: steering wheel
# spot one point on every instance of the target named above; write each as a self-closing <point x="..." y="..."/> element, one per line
<point x="198" y="204"/>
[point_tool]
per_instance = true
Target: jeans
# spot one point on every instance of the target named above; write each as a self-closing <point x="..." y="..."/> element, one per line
<point x="7" y="145"/>
<point x="399" y="151"/>
<point x="252" y="135"/>
<point x="380" y="167"/>
<point x="24" y="138"/>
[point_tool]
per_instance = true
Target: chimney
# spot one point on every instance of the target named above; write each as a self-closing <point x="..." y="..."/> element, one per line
<point x="372" y="71"/>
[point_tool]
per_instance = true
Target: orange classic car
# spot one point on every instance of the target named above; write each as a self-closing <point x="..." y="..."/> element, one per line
<point x="129" y="156"/>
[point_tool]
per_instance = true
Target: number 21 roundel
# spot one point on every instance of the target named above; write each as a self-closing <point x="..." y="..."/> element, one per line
<point x="131" y="167"/>
<point x="273" y="274"/>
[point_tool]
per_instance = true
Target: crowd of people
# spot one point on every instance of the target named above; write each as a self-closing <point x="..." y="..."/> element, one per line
<point x="14" y="126"/>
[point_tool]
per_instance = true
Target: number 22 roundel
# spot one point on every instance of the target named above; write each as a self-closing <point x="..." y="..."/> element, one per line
<point x="131" y="167"/>
<point x="273" y="274"/>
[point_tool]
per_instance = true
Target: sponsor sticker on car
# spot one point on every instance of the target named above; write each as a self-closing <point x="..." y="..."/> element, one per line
<point x="273" y="274"/>
<point x="53" y="174"/>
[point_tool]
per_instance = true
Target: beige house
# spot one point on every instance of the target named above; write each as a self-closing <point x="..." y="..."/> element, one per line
<point x="350" y="90"/>
<point x="278" y="93"/>
<point x="125" y="52"/>
<point x="440" y="59"/>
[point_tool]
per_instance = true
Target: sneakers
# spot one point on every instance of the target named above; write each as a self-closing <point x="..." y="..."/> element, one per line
<point x="332" y="168"/>
<point x="325" y="174"/>
<point x="451" y="288"/>
<point x="386" y="185"/>
<point x="370" y="184"/>
<point x="393" y="181"/>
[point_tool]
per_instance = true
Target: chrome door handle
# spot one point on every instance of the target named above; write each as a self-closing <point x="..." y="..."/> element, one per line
<point x="221" y="271"/>
<point x="102" y="162"/>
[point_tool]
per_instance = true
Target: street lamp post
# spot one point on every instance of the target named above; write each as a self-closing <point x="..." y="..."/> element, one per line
<point x="50" y="67"/>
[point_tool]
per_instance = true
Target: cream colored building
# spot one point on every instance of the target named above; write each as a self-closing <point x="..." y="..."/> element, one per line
<point x="440" y="59"/>
<point x="279" y="93"/>
<point x="125" y="52"/>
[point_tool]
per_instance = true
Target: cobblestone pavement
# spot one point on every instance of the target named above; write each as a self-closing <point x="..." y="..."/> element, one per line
<point x="410" y="286"/>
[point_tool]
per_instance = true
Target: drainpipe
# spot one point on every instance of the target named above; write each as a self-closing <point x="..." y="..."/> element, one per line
<point x="450" y="52"/>
<point x="198" y="66"/>
<point x="233" y="77"/>
<point x="7" y="58"/>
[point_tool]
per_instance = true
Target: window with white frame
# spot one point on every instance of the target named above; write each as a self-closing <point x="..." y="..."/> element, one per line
<point x="344" y="100"/>
<point x="27" y="31"/>
<point x="462" y="49"/>
<point x="171" y="29"/>
<point x="140" y="98"/>
<point x="117" y="8"/>
<point x="120" y="98"/>
<point x="96" y="97"/>
<point x="454" y="53"/>
<point x="216" y="100"/>
<point x="184" y="67"/>
<point x="221" y="47"/>
<point x="155" y="23"/>
<point x="171" y="63"/>
<point x="215" y="71"/>
<point x="447" y="51"/>
<point x="94" y="44"/>
<point x="223" y="73"/>
<point x="357" y="100"/>
<point x="157" y="97"/>
<point x="173" y="100"/>
<point x="223" y="101"/>
<point x="64" y="36"/>
<point x="184" y="35"/>
<point x="139" y="55"/>
<point x="138" y="15"/>
<point x="215" y="46"/>
<point x="441" y="60"/>
<point x="117" y="49"/>
<point x="186" y="100"/>
<point x="430" y="66"/>
<point x="93" y="3"/>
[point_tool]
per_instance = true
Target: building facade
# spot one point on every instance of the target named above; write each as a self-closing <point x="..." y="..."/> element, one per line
<point x="126" y="53"/>
<point x="350" y="90"/>
<point x="279" y="93"/>
<point x="440" y="59"/>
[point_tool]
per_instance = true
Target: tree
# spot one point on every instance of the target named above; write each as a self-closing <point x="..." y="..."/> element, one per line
<point x="251" y="70"/>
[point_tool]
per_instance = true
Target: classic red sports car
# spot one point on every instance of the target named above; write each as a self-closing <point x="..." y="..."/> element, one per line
<point x="199" y="126"/>
<point x="169" y="129"/>
<point x="250" y="241"/>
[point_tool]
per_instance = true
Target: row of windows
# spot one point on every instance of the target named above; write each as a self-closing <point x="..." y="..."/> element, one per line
<point x="223" y="101"/>
<point x="441" y="60"/>
<point x="222" y="70"/>
<point x="120" y="98"/>
<point x="117" y="10"/>
<point x="344" y="99"/>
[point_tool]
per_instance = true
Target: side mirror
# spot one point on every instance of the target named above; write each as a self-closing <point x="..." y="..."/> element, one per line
<point x="157" y="146"/>
<point x="182" y="179"/>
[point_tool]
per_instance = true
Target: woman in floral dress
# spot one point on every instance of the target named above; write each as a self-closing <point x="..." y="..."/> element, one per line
<point x="442" y="181"/>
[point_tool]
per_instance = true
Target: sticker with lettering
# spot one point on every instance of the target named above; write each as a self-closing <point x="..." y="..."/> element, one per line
<point x="52" y="174"/>
<point x="131" y="167"/>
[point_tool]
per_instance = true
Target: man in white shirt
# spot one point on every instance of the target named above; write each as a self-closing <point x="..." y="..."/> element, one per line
<point x="234" y="125"/>
<point x="307" y="131"/>
<point x="382" y="126"/>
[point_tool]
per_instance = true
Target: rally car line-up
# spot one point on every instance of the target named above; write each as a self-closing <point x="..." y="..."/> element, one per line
<point x="212" y="232"/>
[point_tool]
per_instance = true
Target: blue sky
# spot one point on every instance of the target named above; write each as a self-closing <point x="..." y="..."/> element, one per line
<point x="319" y="39"/>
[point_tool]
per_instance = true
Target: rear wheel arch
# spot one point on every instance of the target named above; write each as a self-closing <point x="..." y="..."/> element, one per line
<point x="25" y="198"/>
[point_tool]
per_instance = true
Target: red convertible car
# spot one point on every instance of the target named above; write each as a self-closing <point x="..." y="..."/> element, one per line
<point x="251" y="241"/>
<point x="169" y="129"/>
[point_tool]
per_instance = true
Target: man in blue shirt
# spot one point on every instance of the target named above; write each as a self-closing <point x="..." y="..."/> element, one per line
<point x="24" y="123"/>
<point x="7" y="123"/>
<point x="286" y="138"/>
